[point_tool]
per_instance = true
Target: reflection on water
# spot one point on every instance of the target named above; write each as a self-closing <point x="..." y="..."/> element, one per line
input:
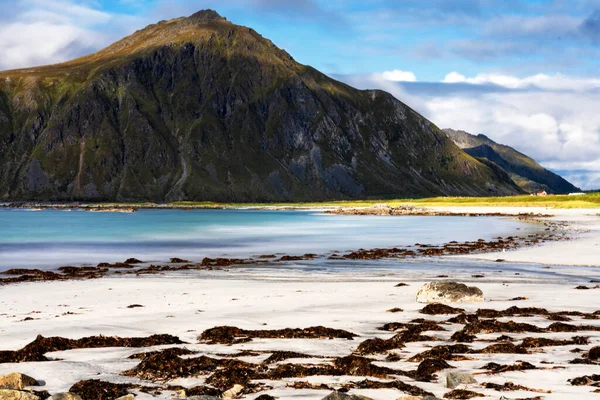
<point x="50" y="238"/>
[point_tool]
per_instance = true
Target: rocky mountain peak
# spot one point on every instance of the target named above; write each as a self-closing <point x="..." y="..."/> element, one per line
<point x="206" y="16"/>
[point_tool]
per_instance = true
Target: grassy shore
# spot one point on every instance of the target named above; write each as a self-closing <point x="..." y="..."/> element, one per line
<point x="588" y="200"/>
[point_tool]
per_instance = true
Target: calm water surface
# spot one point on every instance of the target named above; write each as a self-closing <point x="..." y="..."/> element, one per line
<point x="51" y="238"/>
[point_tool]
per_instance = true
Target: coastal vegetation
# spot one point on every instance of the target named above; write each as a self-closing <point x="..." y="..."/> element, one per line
<point x="585" y="200"/>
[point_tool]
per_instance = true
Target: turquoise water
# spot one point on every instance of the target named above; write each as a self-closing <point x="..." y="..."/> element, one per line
<point x="50" y="238"/>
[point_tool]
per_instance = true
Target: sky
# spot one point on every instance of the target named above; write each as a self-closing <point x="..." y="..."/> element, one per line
<point x="524" y="73"/>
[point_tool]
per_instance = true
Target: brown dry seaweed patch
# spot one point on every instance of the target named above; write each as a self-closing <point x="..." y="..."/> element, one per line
<point x="167" y="365"/>
<point x="525" y="312"/>
<point x="446" y="352"/>
<point x="428" y="367"/>
<point x="94" y="389"/>
<point x="35" y="350"/>
<point x="562" y="327"/>
<point x="176" y="260"/>
<point x="224" y="373"/>
<point x="222" y="262"/>
<point x="378" y="345"/>
<point x="422" y="325"/>
<point x="495" y="368"/>
<point x="510" y="386"/>
<point x="395" y="384"/>
<point x="502" y="348"/>
<point x="463" y="319"/>
<point x="493" y="326"/>
<point x="462" y="337"/>
<point x="67" y="273"/>
<point x="437" y="309"/>
<point x="233" y="372"/>
<point x="232" y="335"/>
<point x="278" y="356"/>
<point x="587" y="380"/>
<point x="173" y="350"/>
<point x="202" y="391"/>
<point x="462" y="394"/>
<point x="395" y="310"/>
<point x="307" y="256"/>
<point x="307" y="385"/>
<point x="376" y="254"/>
<point x="544" y="342"/>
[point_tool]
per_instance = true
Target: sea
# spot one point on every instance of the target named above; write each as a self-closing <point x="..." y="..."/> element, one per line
<point x="47" y="239"/>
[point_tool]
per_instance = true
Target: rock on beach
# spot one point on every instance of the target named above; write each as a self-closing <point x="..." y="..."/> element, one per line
<point x="449" y="292"/>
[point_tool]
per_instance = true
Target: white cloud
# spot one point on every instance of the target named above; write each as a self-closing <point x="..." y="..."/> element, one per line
<point x="561" y="130"/>
<point x="399" y="76"/>
<point x="542" y="81"/>
<point x="46" y="32"/>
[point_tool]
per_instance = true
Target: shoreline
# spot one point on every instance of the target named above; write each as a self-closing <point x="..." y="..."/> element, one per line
<point x="417" y="252"/>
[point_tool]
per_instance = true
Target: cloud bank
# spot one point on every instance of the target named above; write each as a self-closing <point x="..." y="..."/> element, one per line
<point x="553" y="119"/>
<point x="36" y="32"/>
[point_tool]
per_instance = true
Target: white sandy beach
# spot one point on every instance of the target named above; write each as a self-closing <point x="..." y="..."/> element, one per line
<point x="583" y="223"/>
<point x="185" y="304"/>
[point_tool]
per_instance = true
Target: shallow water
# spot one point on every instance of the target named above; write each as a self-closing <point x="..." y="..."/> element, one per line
<point x="50" y="238"/>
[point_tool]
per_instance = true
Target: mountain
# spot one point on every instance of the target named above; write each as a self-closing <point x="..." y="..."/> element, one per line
<point x="198" y="108"/>
<point x="525" y="171"/>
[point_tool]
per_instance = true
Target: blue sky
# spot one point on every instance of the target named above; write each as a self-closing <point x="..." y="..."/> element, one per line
<point x="430" y="38"/>
<point x="525" y="73"/>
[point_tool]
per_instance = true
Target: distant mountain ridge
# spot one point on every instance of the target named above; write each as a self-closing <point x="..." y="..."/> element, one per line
<point x="201" y="109"/>
<point x="525" y="171"/>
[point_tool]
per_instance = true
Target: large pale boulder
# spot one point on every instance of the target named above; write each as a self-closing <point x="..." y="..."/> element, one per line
<point x="449" y="292"/>
<point x="16" y="381"/>
<point x="7" y="394"/>
<point x="455" y="379"/>
<point x="233" y="392"/>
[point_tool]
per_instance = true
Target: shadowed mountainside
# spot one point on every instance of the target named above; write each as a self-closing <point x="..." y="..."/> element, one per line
<point x="198" y="108"/>
<point x="524" y="171"/>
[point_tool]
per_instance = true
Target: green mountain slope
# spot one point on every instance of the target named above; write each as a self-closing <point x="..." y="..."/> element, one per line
<point x="201" y="109"/>
<point x="525" y="171"/>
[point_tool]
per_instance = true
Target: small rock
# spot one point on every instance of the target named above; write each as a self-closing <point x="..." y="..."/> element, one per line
<point x="16" y="381"/>
<point x="7" y="394"/>
<point x="344" y="396"/>
<point x="594" y="353"/>
<point x="233" y="392"/>
<point x="67" y="396"/>
<point x="454" y="379"/>
<point x="449" y="292"/>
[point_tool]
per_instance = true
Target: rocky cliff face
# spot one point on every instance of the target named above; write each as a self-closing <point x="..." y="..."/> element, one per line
<point x="201" y="109"/>
<point x="524" y="171"/>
